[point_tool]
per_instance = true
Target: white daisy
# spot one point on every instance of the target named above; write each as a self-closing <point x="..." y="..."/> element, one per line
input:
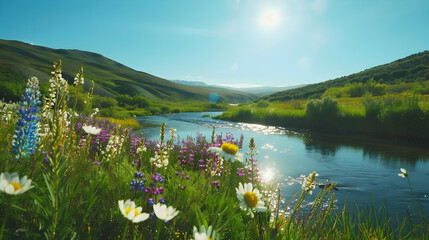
<point x="228" y="152"/>
<point x="129" y="210"/>
<point x="11" y="184"/>
<point x="164" y="213"/>
<point x="205" y="235"/>
<point x="91" y="129"/>
<point x="403" y="173"/>
<point x="250" y="199"/>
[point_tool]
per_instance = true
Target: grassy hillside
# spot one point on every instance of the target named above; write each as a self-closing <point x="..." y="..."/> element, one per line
<point x="405" y="72"/>
<point x="19" y="61"/>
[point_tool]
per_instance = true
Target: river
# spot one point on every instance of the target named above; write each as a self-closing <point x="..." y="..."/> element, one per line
<point x="365" y="169"/>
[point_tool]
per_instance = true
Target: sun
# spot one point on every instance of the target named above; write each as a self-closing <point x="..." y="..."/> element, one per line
<point x="269" y="19"/>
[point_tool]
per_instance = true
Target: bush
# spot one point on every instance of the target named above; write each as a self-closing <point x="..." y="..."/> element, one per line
<point x="325" y="108"/>
<point x="263" y="104"/>
<point x="402" y="112"/>
<point x="103" y="102"/>
<point x="356" y="89"/>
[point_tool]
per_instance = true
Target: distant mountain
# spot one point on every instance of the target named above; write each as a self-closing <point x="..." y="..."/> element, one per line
<point x="19" y="61"/>
<point x="190" y="83"/>
<point x="258" y="91"/>
<point x="263" y="91"/>
<point x="414" y="68"/>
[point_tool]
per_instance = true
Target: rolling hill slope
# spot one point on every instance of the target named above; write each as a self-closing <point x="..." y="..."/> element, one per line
<point x="414" y="68"/>
<point x="19" y="61"/>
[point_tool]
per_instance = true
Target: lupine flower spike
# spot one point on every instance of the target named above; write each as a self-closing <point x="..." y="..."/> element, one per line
<point x="26" y="136"/>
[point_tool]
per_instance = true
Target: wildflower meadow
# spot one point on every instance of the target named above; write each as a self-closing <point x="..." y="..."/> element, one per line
<point x="66" y="175"/>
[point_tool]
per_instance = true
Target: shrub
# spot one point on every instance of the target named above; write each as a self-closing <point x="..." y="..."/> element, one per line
<point x="325" y="108"/>
<point x="263" y="104"/>
<point x="402" y="112"/>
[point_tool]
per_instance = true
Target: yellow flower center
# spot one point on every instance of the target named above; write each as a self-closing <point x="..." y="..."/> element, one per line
<point x="16" y="186"/>
<point x="229" y="148"/>
<point x="251" y="199"/>
<point x="128" y="209"/>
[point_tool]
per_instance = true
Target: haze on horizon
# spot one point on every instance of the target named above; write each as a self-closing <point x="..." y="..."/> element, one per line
<point x="229" y="42"/>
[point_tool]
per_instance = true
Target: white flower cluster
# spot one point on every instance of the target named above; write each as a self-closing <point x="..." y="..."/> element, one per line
<point x="7" y="110"/>
<point x="160" y="159"/>
<point x="141" y="149"/>
<point x="113" y="147"/>
<point x="58" y="92"/>
<point x="79" y="80"/>
<point x="309" y="183"/>
<point x="6" y="116"/>
<point x="58" y="85"/>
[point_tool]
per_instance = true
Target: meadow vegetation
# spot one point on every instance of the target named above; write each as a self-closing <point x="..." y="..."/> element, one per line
<point x="67" y="175"/>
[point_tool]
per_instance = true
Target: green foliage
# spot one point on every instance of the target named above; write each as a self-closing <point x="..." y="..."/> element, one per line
<point x="104" y="102"/>
<point x="137" y="100"/>
<point x="11" y="90"/>
<point x="326" y="108"/>
<point x="357" y="90"/>
<point x="263" y="104"/>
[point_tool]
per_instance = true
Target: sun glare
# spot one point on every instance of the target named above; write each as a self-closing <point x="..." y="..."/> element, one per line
<point x="269" y="19"/>
<point x="267" y="175"/>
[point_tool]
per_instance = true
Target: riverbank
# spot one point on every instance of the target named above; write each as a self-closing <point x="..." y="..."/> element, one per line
<point x="401" y="118"/>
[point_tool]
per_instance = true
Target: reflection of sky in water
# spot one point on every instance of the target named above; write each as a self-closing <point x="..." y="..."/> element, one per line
<point x="363" y="171"/>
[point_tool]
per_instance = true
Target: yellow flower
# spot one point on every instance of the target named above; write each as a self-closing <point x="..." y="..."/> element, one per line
<point x="229" y="148"/>
<point x="129" y="210"/>
<point x="228" y="152"/>
<point x="11" y="184"/>
<point x="250" y="199"/>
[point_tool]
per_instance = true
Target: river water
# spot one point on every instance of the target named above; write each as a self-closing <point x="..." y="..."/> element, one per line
<point x="365" y="169"/>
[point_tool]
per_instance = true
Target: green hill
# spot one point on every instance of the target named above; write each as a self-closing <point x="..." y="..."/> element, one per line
<point x="19" y="61"/>
<point x="411" y="69"/>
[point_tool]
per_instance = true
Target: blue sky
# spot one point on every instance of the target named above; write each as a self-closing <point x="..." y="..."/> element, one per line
<point x="271" y="43"/>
